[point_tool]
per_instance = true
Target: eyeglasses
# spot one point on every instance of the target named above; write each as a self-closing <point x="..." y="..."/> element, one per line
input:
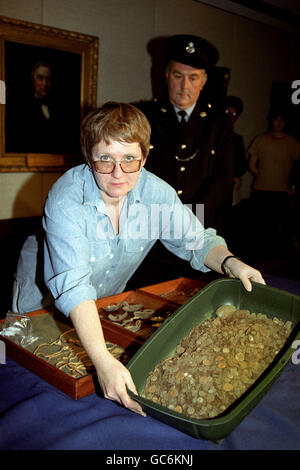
<point x="108" y="166"/>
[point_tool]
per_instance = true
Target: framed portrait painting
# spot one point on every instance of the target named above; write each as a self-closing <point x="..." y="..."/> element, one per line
<point x="50" y="78"/>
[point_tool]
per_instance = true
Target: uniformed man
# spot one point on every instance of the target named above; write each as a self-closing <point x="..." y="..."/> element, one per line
<point x="191" y="147"/>
<point x="191" y="139"/>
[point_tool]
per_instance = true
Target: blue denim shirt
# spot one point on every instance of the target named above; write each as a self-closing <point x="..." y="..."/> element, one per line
<point x="84" y="258"/>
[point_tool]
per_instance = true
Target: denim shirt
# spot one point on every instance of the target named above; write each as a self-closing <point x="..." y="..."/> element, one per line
<point x="83" y="256"/>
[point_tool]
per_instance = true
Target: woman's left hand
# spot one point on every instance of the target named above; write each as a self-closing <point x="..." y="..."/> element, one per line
<point x="236" y="268"/>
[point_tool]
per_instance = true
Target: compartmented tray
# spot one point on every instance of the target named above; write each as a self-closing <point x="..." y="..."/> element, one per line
<point x="74" y="387"/>
<point x="177" y="291"/>
<point x="270" y="301"/>
<point x="130" y="341"/>
<point x="146" y="312"/>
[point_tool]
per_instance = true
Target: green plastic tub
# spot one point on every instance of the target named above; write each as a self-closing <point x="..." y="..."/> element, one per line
<point x="263" y="299"/>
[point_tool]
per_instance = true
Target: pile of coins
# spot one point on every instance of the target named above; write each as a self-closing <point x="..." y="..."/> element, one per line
<point x="220" y="359"/>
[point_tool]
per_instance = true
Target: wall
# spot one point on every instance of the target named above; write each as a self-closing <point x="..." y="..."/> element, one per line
<point x="255" y="53"/>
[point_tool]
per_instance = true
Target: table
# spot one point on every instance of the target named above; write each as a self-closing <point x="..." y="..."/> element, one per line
<point x="34" y="415"/>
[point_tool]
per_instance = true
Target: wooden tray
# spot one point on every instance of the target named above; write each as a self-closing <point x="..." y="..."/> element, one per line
<point x="162" y="310"/>
<point x="74" y="387"/>
<point x="175" y="292"/>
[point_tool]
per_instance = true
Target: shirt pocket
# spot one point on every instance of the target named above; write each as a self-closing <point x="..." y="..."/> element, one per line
<point x="99" y="250"/>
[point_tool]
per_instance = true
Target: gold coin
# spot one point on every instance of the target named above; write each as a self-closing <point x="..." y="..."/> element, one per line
<point x="222" y="365"/>
<point x="206" y="362"/>
<point x="203" y="379"/>
<point x="178" y="409"/>
<point x="180" y="375"/>
<point x="239" y="356"/>
<point x="219" y="358"/>
<point x="227" y="387"/>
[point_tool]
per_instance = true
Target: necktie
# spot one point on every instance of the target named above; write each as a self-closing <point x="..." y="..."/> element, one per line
<point x="182" y="114"/>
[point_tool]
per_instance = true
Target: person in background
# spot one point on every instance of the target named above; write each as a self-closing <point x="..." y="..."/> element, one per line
<point x="191" y="139"/>
<point x="272" y="159"/>
<point x="234" y="108"/>
<point x="191" y="145"/>
<point x="234" y="212"/>
<point x="93" y="242"/>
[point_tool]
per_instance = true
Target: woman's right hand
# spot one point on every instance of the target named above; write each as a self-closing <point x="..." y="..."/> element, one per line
<point x="114" y="378"/>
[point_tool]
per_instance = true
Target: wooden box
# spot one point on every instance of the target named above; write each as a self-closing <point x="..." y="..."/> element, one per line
<point x="175" y="292"/>
<point x="74" y="387"/>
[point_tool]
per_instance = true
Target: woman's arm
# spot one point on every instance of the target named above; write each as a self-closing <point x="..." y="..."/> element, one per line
<point x="112" y="375"/>
<point x="233" y="266"/>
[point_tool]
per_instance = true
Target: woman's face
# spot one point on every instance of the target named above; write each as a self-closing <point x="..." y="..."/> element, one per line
<point x="114" y="186"/>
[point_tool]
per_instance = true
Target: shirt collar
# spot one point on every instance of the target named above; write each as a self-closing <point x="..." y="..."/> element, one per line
<point x="187" y="110"/>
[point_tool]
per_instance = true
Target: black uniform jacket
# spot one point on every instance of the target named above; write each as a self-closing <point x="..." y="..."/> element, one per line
<point x="198" y="160"/>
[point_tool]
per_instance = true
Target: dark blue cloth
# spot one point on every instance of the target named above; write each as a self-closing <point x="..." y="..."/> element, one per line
<point x="35" y="415"/>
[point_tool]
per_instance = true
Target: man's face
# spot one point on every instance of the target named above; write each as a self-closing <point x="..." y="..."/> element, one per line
<point x="114" y="186"/>
<point x="42" y="81"/>
<point x="184" y="84"/>
<point x="278" y="124"/>
<point x="232" y="113"/>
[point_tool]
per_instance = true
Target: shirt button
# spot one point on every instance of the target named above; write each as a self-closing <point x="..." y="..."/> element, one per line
<point x="100" y="285"/>
<point x="182" y="168"/>
<point x="142" y="248"/>
<point x="107" y="271"/>
<point x="183" y="146"/>
<point x="92" y="259"/>
<point x="212" y="152"/>
<point x="179" y="192"/>
<point x="111" y="255"/>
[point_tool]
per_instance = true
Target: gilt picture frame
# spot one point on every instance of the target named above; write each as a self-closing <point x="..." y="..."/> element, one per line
<point x="50" y="78"/>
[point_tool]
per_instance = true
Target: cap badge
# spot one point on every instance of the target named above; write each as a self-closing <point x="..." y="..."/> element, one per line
<point x="190" y="48"/>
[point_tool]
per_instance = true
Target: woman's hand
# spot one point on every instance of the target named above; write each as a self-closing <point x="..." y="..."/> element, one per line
<point x="236" y="268"/>
<point x="233" y="266"/>
<point x="113" y="378"/>
<point x="112" y="375"/>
